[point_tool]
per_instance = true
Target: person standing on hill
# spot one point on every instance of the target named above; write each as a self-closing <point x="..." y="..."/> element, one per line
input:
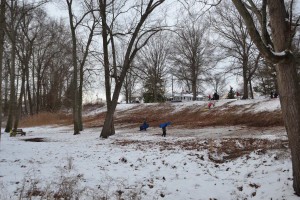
<point x="164" y="129"/>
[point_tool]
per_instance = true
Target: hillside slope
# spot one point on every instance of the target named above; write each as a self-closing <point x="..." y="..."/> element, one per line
<point x="257" y="113"/>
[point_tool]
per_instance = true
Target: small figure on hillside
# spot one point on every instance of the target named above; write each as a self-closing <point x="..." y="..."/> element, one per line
<point x="209" y="97"/>
<point x="231" y="93"/>
<point x="275" y="95"/>
<point x="237" y="95"/>
<point x="210" y="104"/>
<point x="144" y="126"/>
<point x="272" y="95"/>
<point x="215" y="96"/>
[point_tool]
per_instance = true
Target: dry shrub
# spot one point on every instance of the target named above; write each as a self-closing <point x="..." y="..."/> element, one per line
<point x="46" y="118"/>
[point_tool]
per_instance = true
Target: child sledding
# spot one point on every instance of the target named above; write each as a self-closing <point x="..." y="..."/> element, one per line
<point x="144" y="126"/>
<point x="164" y="128"/>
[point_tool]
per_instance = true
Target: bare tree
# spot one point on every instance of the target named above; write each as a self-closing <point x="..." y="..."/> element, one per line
<point x="218" y="82"/>
<point x="192" y="53"/>
<point x="131" y="81"/>
<point x="152" y="62"/>
<point x="16" y="14"/>
<point x="279" y="51"/>
<point x="236" y="42"/>
<point x="137" y="35"/>
<point x="77" y="91"/>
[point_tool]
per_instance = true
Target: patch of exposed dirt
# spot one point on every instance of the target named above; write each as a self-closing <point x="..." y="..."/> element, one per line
<point x="219" y="151"/>
<point x="35" y="140"/>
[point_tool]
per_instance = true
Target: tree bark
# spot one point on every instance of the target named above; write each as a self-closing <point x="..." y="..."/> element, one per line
<point x="287" y="78"/>
<point x="2" y="32"/>
<point x="75" y="71"/>
<point x="19" y="106"/>
<point x="108" y="128"/>
<point x="12" y="96"/>
<point x="289" y="90"/>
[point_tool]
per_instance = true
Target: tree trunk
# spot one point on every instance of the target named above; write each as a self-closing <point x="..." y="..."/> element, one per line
<point x="37" y="108"/>
<point x="245" y="78"/>
<point x="12" y="99"/>
<point x="19" y="106"/>
<point x="80" y="123"/>
<point x="246" y="91"/>
<point x="75" y="72"/>
<point x="6" y="89"/>
<point x="108" y="127"/>
<point x="251" y="89"/>
<point x="2" y="27"/>
<point x="109" y="130"/>
<point x="289" y="90"/>
<point x="194" y="89"/>
<point x="28" y="90"/>
<point x="290" y="105"/>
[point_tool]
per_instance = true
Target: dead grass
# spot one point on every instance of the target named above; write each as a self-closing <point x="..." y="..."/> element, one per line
<point x="219" y="151"/>
<point x="191" y="117"/>
<point x="201" y="117"/>
<point x="46" y="118"/>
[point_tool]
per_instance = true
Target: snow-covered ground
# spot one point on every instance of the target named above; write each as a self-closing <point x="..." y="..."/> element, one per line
<point x="143" y="165"/>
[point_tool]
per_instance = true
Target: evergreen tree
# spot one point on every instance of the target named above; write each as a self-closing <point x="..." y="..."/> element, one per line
<point x="154" y="92"/>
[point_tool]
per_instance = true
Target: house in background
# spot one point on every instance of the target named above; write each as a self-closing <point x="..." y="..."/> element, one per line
<point x="179" y="97"/>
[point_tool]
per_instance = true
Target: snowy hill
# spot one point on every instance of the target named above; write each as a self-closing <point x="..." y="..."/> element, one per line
<point x="262" y="112"/>
<point x="221" y="162"/>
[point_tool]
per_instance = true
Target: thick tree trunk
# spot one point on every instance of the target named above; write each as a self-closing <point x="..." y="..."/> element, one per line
<point x="289" y="90"/>
<point x="245" y="78"/>
<point x="108" y="127"/>
<point x="245" y="87"/>
<point x="107" y="130"/>
<point x="290" y="105"/>
<point x="194" y="90"/>
<point x="12" y="99"/>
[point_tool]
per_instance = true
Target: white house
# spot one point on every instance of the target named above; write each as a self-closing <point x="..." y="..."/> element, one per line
<point x="186" y="97"/>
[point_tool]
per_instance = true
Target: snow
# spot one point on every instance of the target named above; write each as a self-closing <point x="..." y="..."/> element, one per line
<point x="146" y="165"/>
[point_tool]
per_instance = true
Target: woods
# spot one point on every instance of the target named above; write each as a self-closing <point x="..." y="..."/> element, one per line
<point x="147" y="51"/>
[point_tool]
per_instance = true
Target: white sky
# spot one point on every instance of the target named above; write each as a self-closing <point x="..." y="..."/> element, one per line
<point x="57" y="10"/>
